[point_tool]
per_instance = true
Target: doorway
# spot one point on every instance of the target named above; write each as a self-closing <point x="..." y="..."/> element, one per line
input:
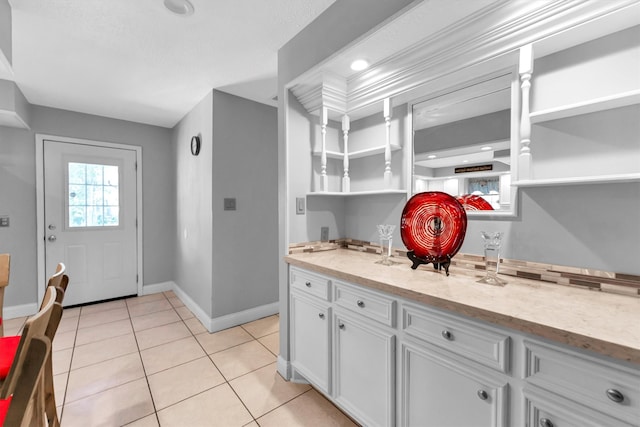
<point x="89" y="211"/>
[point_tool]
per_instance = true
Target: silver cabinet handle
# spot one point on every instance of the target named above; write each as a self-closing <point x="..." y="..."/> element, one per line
<point x="321" y="315"/>
<point x="341" y="325"/>
<point x="308" y="284"/>
<point x="360" y="303"/>
<point x="615" y="395"/>
<point x="483" y="395"/>
<point x="447" y="335"/>
<point x="52" y="238"/>
<point x="545" y="422"/>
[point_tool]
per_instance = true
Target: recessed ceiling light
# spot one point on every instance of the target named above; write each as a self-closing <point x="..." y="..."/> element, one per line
<point x="179" y="7"/>
<point x="465" y="161"/>
<point x="359" y="65"/>
<point x="487" y="148"/>
<point x="432" y="156"/>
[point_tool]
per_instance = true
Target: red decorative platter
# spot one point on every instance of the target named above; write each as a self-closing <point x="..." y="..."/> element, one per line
<point x="471" y="202"/>
<point x="433" y="227"/>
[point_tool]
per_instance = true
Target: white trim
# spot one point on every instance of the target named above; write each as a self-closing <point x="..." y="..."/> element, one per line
<point x="156" y="288"/>
<point x="40" y="226"/>
<point x="241" y="317"/>
<point x="284" y="368"/>
<point x="229" y="320"/>
<point x="191" y="305"/>
<point x="23" y="310"/>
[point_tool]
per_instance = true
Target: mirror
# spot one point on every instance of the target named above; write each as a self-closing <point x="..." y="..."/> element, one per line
<point x="464" y="141"/>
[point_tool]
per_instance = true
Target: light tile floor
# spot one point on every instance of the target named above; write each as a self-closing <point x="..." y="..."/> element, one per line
<point x="147" y="361"/>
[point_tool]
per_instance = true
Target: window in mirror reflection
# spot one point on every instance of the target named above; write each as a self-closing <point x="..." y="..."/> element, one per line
<point x="462" y="145"/>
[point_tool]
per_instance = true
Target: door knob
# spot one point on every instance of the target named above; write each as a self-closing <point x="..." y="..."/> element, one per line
<point x="52" y="238"/>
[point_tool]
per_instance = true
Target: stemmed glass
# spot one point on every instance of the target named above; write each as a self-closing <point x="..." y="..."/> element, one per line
<point x="385" y="233"/>
<point x="492" y="242"/>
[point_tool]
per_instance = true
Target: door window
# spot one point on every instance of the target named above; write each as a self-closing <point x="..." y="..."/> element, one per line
<point x="94" y="195"/>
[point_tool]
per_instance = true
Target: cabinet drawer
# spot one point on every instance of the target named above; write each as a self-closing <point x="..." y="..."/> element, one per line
<point x="309" y="283"/>
<point x="606" y="387"/>
<point x="372" y="305"/>
<point x="478" y="343"/>
<point x="544" y="409"/>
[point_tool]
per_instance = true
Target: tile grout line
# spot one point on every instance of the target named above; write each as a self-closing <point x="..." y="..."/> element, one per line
<point x="144" y="369"/>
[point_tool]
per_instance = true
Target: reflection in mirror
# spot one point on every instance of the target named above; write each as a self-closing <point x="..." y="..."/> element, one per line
<point x="462" y="144"/>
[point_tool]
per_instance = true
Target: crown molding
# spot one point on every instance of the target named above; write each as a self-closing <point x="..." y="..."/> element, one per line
<point x="485" y="41"/>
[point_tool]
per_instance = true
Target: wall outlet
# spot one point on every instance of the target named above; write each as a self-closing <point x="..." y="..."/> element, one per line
<point x="324" y="234"/>
<point x="4" y="221"/>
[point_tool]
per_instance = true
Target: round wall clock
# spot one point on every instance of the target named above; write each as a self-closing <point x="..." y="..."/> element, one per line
<point x="195" y="145"/>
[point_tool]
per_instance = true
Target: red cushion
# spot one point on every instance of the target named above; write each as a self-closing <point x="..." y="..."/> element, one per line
<point x="4" y="408"/>
<point x="8" y="348"/>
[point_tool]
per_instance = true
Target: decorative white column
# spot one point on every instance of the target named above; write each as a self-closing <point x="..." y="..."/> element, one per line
<point x="387" y="147"/>
<point x="346" y="181"/>
<point x="324" y="180"/>
<point x="525" y="71"/>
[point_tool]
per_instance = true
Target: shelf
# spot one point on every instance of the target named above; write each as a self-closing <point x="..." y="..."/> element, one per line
<point x="358" y="154"/>
<point x="585" y="180"/>
<point x="591" y="106"/>
<point x="356" y="193"/>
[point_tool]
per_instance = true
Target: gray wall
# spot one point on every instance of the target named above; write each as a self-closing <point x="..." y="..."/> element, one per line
<point x="193" y="228"/>
<point x="18" y="192"/>
<point x="227" y="261"/>
<point x="245" y="241"/>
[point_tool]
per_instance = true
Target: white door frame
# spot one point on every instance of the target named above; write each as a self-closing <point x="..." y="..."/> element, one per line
<point x="40" y="222"/>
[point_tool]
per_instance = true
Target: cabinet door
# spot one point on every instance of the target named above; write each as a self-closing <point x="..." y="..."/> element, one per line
<point x="364" y="363"/>
<point x="310" y="327"/>
<point x="439" y="390"/>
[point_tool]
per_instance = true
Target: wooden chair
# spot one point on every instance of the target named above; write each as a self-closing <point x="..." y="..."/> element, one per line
<point x="9" y="345"/>
<point x="23" y="406"/>
<point x="4" y="281"/>
<point x="36" y="327"/>
<point x="59" y="281"/>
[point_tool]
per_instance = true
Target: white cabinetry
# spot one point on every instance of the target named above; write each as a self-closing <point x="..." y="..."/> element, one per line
<point x="441" y="390"/>
<point x="565" y="388"/>
<point x="442" y="373"/>
<point x="364" y="366"/>
<point x="584" y="106"/>
<point x="387" y="361"/>
<point x="310" y="328"/>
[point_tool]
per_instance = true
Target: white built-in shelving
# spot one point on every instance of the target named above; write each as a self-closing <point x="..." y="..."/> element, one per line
<point x="580" y="109"/>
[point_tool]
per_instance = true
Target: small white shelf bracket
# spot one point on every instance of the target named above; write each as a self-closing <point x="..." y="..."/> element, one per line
<point x="346" y="181"/>
<point x="387" y="148"/>
<point x="525" y="71"/>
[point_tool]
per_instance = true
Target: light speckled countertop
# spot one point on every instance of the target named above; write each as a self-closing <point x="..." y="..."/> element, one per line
<point x="608" y="324"/>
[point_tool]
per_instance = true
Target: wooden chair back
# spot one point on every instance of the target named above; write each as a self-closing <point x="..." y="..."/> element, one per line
<point x="25" y="407"/>
<point x="59" y="280"/>
<point x="5" y="263"/>
<point x="35" y="326"/>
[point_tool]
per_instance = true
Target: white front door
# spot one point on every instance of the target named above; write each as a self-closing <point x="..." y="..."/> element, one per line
<point x="90" y="214"/>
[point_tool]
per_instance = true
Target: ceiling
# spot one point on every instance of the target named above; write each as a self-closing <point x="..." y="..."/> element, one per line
<point x="136" y="61"/>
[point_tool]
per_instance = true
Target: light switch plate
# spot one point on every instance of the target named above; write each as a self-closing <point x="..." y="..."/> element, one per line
<point x="300" y="202"/>
<point x="230" y="204"/>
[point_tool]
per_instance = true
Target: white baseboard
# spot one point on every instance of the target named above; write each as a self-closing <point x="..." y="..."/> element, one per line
<point x="191" y="305"/>
<point x="11" y="312"/>
<point x="235" y="319"/>
<point x="229" y="320"/>
<point x="284" y="368"/>
<point x="155" y="288"/>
